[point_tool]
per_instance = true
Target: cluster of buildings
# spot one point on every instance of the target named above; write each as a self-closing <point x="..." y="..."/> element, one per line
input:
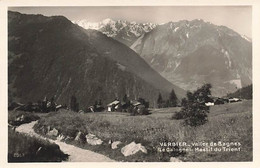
<point x="124" y="106"/>
<point x="217" y="101"/>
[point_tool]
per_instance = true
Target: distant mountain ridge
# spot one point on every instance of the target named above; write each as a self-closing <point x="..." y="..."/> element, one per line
<point x="50" y="56"/>
<point x="243" y="93"/>
<point x="191" y="53"/>
<point x="121" y="30"/>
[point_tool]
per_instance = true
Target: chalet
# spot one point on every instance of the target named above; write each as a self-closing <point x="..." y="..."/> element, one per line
<point x="135" y="103"/>
<point x="113" y="105"/>
<point x="91" y="109"/>
<point x="139" y="108"/>
<point x="232" y="100"/>
<point x="209" y="104"/>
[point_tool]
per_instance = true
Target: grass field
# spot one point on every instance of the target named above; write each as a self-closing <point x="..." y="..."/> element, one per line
<point x="227" y="123"/>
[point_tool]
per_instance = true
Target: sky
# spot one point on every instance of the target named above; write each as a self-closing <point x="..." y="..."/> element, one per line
<point x="238" y="18"/>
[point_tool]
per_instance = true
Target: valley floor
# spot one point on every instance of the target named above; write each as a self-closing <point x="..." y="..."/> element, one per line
<point x="228" y="123"/>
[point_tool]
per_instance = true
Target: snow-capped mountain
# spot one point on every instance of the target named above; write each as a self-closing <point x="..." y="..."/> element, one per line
<point x="121" y="30"/>
<point x="190" y="53"/>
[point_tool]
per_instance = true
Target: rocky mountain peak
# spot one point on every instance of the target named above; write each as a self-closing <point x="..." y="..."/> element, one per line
<point x="190" y="53"/>
<point x="121" y="30"/>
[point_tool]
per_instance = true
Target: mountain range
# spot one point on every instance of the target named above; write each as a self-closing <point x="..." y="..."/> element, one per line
<point x="190" y="53"/>
<point x="121" y="30"/>
<point x="51" y="56"/>
<point x="55" y="56"/>
<point x="187" y="53"/>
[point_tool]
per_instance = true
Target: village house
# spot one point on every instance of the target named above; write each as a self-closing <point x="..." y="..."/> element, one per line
<point x="139" y="107"/>
<point x="113" y="106"/>
<point x="233" y="99"/>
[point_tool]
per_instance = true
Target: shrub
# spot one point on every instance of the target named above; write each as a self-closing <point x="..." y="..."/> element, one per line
<point x="194" y="111"/>
<point x="142" y="110"/>
<point x="31" y="149"/>
<point x="25" y="117"/>
<point x="179" y="115"/>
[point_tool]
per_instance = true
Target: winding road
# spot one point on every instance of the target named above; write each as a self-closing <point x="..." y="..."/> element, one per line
<point x="76" y="154"/>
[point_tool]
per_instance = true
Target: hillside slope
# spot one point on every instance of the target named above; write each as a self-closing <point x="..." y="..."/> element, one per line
<point x="191" y="53"/>
<point x="128" y="60"/>
<point x="50" y="56"/>
<point x="243" y="93"/>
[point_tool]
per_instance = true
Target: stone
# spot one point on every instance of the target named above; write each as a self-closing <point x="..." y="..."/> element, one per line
<point x="93" y="140"/>
<point x="114" y="144"/>
<point x="20" y="118"/>
<point x="39" y="150"/>
<point x="174" y="159"/>
<point x="48" y="128"/>
<point x="132" y="149"/>
<point x="54" y="132"/>
<point x="60" y="137"/>
<point x="68" y="138"/>
<point x="81" y="112"/>
<point x="80" y="137"/>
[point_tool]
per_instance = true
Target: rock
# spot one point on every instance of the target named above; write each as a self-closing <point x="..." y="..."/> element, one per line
<point x="81" y="112"/>
<point x="48" y="128"/>
<point x="68" y="138"/>
<point x="114" y="144"/>
<point x="174" y="159"/>
<point x="20" y="118"/>
<point x="80" y="137"/>
<point x="54" y="132"/>
<point x="39" y="150"/>
<point x="60" y="137"/>
<point x="133" y="148"/>
<point x="11" y="127"/>
<point x="93" y="140"/>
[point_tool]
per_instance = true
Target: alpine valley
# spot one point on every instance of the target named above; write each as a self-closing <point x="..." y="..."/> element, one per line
<point x="187" y="53"/>
<point x="51" y="56"/>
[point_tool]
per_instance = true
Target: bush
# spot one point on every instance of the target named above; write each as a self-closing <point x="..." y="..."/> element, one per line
<point x="25" y="117"/>
<point x="31" y="149"/>
<point x="179" y="115"/>
<point x="194" y="111"/>
<point x="142" y="110"/>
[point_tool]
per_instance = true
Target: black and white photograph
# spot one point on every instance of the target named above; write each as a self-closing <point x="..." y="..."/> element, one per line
<point x="130" y="84"/>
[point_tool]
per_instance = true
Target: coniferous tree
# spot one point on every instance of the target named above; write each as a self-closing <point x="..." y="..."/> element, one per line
<point x="125" y="99"/>
<point x="159" y="101"/>
<point x="172" y="99"/>
<point x="99" y="102"/>
<point x="53" y="105"/>
<point x="73" y="103"/>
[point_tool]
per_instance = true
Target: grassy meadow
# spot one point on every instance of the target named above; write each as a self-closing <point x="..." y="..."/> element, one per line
<point x="227" y="123"/>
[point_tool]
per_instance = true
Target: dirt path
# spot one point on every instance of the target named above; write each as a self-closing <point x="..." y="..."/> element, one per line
<point x="76" y="154"/>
